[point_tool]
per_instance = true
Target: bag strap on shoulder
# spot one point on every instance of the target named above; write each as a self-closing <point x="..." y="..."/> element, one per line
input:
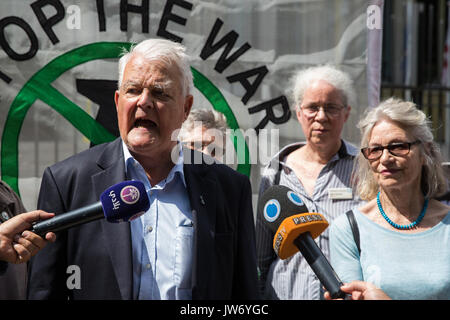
<point x="354" y="227"/>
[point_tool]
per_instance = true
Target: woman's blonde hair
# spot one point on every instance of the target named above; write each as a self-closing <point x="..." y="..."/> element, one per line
<point x="415" y="122"/>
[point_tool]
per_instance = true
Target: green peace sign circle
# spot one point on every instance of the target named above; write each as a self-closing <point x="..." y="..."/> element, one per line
<point x="39" y="87"/>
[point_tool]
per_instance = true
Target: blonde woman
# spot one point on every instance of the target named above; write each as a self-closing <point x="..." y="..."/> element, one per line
<point x="404" y="231"/>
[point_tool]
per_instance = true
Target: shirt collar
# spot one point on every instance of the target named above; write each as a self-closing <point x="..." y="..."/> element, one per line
<point x="177" y="168"/>
<point x="346" y="150"/>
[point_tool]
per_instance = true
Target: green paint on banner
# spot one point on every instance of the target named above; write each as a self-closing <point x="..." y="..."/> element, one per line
<point x="39" y="87"/>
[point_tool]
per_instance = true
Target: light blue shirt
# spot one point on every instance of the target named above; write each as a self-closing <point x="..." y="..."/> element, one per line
<point x="404" y="265"/>
<point x="162" y="238"/>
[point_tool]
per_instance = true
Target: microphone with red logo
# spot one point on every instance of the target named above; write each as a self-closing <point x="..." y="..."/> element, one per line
<point x="124" y="201"/>
<point x="295" y="229"/>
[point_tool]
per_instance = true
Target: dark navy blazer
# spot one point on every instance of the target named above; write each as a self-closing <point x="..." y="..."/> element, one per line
<point x="224" y="263"/>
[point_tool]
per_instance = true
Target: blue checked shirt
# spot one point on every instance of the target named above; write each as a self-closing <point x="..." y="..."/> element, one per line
<point x="293" y="278"/>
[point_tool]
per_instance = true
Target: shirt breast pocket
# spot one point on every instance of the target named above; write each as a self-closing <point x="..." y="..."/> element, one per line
<point x="183" y="257"/>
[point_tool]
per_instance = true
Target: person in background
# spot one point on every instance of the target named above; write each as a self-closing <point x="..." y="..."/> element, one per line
<point x="205" y="130"/>
<point x="17" y="245"/>
<point x="404" y="232"/>
<point x="196" y="241"/>
<point x="318" y="169"/>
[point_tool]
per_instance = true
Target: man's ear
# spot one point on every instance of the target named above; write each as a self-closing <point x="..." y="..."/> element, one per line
<point x="188" y="102"/>
<point x="298" y="113"/>
<point x="116" y="99"/>
<point x="347" y="112"/>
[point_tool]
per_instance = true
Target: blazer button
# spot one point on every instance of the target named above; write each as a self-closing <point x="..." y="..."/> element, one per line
<point x="4" y="215"/>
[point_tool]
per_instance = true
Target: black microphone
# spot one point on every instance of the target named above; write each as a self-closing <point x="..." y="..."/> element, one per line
<point x="295" y="229"/>
<point x="124" y="201"/>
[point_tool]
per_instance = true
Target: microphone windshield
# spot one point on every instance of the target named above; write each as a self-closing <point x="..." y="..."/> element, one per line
<point x="287" y="216"/>
<point x="124" y="201"/>
<point x="278" y="203"/>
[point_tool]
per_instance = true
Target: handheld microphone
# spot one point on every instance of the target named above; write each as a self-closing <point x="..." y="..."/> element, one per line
<point x="295" y="229"/>
<point x="124" y="201"/>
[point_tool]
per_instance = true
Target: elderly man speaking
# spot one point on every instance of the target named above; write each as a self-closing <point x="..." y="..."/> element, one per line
<point x="318" y="169"/>
<point x="196" y="241"/>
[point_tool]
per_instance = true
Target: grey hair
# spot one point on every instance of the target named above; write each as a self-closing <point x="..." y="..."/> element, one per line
<point x="168" y="52"/>
<point x="210" y="119"/>
<point x="301" y="81"/>
<point x="414" y="121"/>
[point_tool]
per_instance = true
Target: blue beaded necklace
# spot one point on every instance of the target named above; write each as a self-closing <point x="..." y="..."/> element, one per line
<point x="398" y="226"/>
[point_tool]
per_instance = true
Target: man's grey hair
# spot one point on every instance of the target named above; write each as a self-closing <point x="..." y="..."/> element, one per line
<point x="210" y="119"/>
<point x="166" y="51"/>
<point x="414" y="121"/>
<point x="303" y="79"/>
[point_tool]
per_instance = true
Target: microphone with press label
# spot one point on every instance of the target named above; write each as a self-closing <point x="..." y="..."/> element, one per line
<point x="295" y="229"/>
<point x="121" y="202"/>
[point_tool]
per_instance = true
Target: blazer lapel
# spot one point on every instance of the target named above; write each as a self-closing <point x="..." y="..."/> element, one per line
<point x="116" y="236"/>
<point x="202" y="195"/>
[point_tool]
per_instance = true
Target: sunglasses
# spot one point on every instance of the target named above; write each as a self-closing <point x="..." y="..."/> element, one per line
<point x="399" y="149"/>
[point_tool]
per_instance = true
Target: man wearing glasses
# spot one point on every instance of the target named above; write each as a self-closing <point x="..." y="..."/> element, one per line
<point x="318" y="169"/>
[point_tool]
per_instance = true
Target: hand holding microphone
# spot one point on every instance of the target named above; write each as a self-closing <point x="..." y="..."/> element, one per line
<point x="361" y="290"/>
<point x="124" y="201"/>
<point x="17" y="245"/>
<point x="295" y="229"/>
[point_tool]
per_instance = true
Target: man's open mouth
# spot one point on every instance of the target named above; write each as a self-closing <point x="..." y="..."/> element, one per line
<point x="144" y="123"/>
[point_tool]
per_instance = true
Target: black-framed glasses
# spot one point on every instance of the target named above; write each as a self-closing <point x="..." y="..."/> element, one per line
<point x="331" y="110"/>
<point x="398" y="149"/>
